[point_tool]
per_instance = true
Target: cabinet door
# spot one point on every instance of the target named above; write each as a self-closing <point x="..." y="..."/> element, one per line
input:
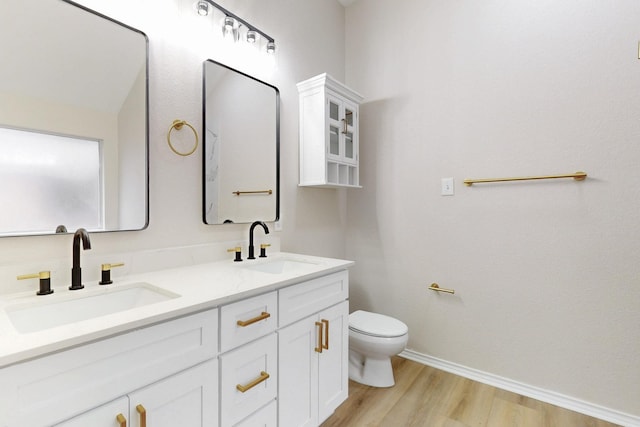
<point x="108" y="415"/>
<point x="186" y="399"/>
<point x="333" y="379"/>
<point x="335" y="124"/>
<point x="349" y="134"/>
<point x="298" y="370"/>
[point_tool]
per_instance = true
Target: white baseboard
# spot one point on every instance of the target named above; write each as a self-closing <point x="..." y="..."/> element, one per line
<point x="543" y="395"/>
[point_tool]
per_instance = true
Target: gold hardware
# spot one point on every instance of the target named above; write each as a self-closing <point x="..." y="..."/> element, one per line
<point x="121" y="420"/>
<point x="263" y="315"/>
<point x="143" y="415"/>
<point x="178" y="124"/>
<point x="41" y="275"/>
<point x="318" y="349"/>
<point x="578" y="176"/>
<point x="107" y="267"/>
<point x="344" y="126"/>
<point x="264" y="245"/>
<point x="435" y="287"/>
<point x="240" y="193"/>
<point x="244" y="388"/>
<point x="325" y="345"/>
<point x="236" y="249"/>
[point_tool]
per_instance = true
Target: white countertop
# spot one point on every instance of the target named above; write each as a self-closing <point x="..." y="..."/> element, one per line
<point x="199" y="287"/>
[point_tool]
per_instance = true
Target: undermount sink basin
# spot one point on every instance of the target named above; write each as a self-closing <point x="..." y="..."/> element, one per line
<point x="279" y="266"/>
<point x="43" y="315"/>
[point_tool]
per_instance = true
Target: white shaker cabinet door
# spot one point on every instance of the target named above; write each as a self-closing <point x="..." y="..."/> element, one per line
<point x="187" y="399"/>
<point x="108" y="415"/>
<point x="298" y="370"/>
<point x="333" y="378"/>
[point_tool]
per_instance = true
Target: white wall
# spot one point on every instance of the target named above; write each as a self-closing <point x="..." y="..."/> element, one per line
<point x="547" y="273"/>
<point x="310" y="38"/>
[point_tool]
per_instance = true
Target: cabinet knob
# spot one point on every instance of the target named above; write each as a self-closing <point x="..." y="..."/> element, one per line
<point x="143" y="415"/>
<point x="121" y="420"/>
<point x="262" y="316"/>
<point x="244" y="388"/>
<point x="325" y="344"/>
<point x="319" y="348"/>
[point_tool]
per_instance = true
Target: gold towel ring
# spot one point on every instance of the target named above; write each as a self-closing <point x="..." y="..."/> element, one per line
<point x="177" y="124"/>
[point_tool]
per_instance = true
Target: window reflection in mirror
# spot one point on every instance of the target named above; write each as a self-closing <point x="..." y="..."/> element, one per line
<point x="241" y="147"/>
<point x="74" y="73"/>
<point x="49" y="181"/>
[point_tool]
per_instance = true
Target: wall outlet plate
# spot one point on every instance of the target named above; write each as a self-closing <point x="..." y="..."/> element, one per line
<point x="447" y="187"/>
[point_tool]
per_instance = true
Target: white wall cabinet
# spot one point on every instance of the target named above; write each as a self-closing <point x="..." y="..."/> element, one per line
<point x="329" y="133"/>
<point x="313" y="352"/>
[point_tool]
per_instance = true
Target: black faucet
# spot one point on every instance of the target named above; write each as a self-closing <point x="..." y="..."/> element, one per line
<point x="266" y="231"/>
<point x="76" y="271"/>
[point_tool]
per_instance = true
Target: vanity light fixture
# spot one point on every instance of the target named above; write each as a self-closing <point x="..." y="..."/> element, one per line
<point x="232" y="25"/>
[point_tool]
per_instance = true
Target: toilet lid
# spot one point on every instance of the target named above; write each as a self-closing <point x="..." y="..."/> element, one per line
<point x="376" y="324"/>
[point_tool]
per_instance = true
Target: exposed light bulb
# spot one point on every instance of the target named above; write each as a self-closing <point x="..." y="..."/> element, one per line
<point x="229" y="23"/>
<point x="252" y="36"/>
<point x="202" y="7"/>
<point x="271" y="47"/>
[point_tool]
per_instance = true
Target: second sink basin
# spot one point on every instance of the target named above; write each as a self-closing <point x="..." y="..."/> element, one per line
<point x="279" y="266"/>
<point x="43" y="315"/>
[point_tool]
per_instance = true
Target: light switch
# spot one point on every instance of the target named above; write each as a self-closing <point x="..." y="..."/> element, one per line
<point x="447" y="187"/>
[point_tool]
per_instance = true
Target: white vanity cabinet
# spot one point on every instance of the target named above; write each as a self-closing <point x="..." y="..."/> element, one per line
<point x="168" y="367"/>
<point x="329" y="133"/>
<point x="275" y="359"/>
<point x="313" y="350"/>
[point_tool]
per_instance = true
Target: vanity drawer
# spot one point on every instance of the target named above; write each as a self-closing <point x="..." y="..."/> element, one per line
<point x="302" y="300"/>
<point x="264" y="417"/>
<point x="49" y="389"/>
<point x="253" y="368"/>
<point x="247" y="320"/>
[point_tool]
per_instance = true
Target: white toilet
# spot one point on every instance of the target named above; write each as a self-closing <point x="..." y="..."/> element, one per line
<point x="373" y="339"/>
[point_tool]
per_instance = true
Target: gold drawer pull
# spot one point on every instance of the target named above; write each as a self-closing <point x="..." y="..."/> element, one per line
<point x="143" y="415"/>
<point x="325" y="345"/>
<point x="263" y="315"/>
<point x="263" y="377"/>
<point x="318" y="349"/>
<point x="121" y="420"/>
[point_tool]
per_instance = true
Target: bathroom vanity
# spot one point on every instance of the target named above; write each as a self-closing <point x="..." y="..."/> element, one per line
<point x="230" y="344"/>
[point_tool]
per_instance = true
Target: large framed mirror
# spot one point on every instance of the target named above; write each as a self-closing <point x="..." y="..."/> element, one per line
<point x="73" y="120"/>
<point x="241" y="158"/>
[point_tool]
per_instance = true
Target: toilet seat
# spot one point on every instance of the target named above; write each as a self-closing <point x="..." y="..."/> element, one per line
<point x="376" y="325"/>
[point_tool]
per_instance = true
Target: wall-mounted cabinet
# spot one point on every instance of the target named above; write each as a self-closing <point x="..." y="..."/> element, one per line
<point x="329" y="133"/>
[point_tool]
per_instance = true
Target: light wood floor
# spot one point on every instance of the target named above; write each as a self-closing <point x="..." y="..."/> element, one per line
<point x="425" y="396"/>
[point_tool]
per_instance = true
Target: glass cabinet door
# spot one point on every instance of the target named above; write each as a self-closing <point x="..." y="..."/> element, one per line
<point x="334" y="128"/>
<point x="349" y="153"/>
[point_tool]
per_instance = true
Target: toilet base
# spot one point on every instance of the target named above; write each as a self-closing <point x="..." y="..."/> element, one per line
<point x="375" y="372"/>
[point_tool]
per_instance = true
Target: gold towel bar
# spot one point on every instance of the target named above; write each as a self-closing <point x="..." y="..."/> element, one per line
<point x="240" y="193"/>
<point x="435" y="287"/>
<point x="578" y="176"/>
